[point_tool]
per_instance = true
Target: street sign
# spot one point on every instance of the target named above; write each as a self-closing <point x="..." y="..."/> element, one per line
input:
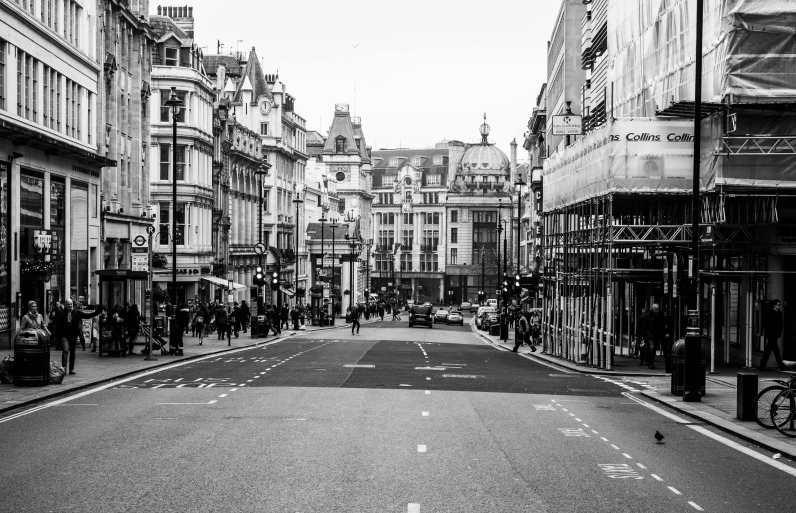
<point x="326" y="292"/>
<point x="139" y="261"/>
<point x="323" y="272"/>
<point x="150" y="230"/>
<point x="140" y="241"/>
<point x="259" y="248"/>
<point x="567" y="124"/>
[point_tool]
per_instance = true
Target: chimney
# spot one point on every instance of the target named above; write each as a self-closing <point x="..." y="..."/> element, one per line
<point x="513" y="161"/>
<point x="183" y="18"/>
<point x="221" y="77"/>
<point x="160" y="11"/>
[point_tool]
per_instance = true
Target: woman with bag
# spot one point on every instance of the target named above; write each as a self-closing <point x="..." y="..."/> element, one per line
<point x="522" y="334"/>
<point x="133" y="320"/>
<point x="33" y="319"/>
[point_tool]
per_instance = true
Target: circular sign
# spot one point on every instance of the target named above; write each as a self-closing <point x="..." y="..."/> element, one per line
<point x="259" y="248"/>
<point x="150" y="230"/>
<point x="140" y="240"/>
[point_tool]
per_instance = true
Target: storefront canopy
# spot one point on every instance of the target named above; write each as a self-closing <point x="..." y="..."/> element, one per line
<point x="221" y="282"/>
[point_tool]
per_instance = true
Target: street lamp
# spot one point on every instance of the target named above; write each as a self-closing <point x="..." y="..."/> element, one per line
<point x="298" y="201"/>
<point x="261" y="171"/>
<point x="351" y="217"/>
<point x="333" y="225"/>
<point x="174" y="104"/>
<point x="519" y="183"/>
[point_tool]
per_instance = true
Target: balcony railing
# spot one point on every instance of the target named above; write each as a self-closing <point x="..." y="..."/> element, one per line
<point x="428" y="248"/>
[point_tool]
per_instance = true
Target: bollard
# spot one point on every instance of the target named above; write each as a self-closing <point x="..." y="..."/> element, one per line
<point x="692" y="368"/>
<point x="745" y="395"/>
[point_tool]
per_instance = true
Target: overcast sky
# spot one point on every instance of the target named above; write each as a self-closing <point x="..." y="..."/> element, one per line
<point x="425" y="70"/>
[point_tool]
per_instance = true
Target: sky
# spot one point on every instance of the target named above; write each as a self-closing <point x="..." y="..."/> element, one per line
<point x="417" y="72"/>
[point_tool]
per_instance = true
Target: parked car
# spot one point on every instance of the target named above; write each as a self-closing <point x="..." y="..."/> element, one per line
<point x="455" y="317"/>
<point x="474" y="307"/>
<point x="480" y="316"/>
<point x="440" y="316"/>
<point x="490" y="319"/>
<point x="409" y="304"/>
<point x="492" y="302"/>
<point x="420" y="314"/>
<point x="465" y="306"/>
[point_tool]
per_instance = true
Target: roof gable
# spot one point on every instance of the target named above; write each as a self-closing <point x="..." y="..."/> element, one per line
<point x="253" y="73"/>
<point x="341" y="127"/>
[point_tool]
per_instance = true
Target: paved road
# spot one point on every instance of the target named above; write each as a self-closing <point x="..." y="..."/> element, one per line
<point x="392" y="419"/>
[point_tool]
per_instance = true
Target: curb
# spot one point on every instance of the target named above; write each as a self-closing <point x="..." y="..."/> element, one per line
<point x="576" y="368"/>
<point x="765" y="441"/>
<point x="84" y="386"/>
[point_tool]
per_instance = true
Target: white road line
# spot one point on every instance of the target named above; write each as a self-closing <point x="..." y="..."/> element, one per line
<point x="657" y="477"/>
<point x="150" y="379"/>
<point x="243" y="384"/>
<point x="586" y="425"/>
<point x="749" y="452"/>
<point x="604" y="439"/>
<point x="428" y="379"/>
<point x="571" y="414"/>
<point x="564" y="409"/>
<point x="421" y="448"/>
<point x="553" y="401"/>
<point x="413" y="507"/>
<point x="675" y="490"/>
<point x="178" y="380"/>
<point x="255" y="377"/>
<point x="263" y="372"/>
<point x="428" y="392"/>
<point x="593" y="431"/>
<point x="641" y="466"/>
<point x="249" y="381"/>
<point x="223" y="395"/>
<point x="232" y="389"/>
<point x="626" y="455"/>
<point x="78" y="404"/>
<point x="213" y="401"/>
<point x="615" y="447"/>
<point x="425" y="414"/>
<point x="692" y="503"/>
<point x="158" y="386"/>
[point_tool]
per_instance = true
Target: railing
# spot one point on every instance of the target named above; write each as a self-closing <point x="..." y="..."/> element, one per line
<point x="428" y="248"/>
<point x="586" y="41"/>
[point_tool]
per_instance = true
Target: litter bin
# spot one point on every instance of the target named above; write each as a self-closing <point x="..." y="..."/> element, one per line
<point x="494" y="330"/>
<point x="254" y="326"/>
<point x="262" y="326"/>
<point x="678" y="368"/>
<point x="348" y="317"/>
<point x="31" y="358"/>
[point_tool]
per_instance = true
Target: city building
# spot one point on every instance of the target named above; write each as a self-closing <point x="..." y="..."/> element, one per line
<point x="50" y="169"/>
<point x="125" y="41"/>
<point x="177" y="67"/>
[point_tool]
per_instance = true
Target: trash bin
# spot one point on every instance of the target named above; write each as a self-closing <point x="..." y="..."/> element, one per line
<point x="254" y="326"/>
<point x="262" y="326"/>
<point x="31" y="358"/>
<point x="494" y="330"/>
<point x="678" y="369"/>
<point x="348" y="317"/>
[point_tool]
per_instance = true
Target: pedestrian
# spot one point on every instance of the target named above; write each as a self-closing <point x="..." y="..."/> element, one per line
<point x="68" y="324"/>
<point x="181" y="321"/>
<point x="235" y="319"/>
<point x="772" y="329"/>
<point x="641" y="336"/>
<point x="34" y="320"/>
<point x="133" y="320"/>
<point x="396" y="313"/>
<point x="274" y="319"/>
<point x="117" y="329"/>
<point x="655" y="332"/>
<point x="522" y="333"/>
<point x="245" y="315"/>
<point x="355" y="320"/>
<point x="199" y="319"/>
<point x="294" y="316"/>
<point x="366" y="311"/>
<point x="221" y="322"/>
<point x="380" y="311"/>
<point x="302" y="315"/>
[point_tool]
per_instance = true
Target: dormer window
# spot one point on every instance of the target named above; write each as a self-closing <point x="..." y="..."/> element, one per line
<point x="339" y="145"/>
<point x="437" y="160"/>
<point x="393" y="161"/>
<point x="416" y="161"/>
<point x="172" y="56"/>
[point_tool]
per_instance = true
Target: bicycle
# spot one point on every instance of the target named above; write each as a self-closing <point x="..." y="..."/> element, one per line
<point x="763" y="401"/>
<point x="783" y="408"/>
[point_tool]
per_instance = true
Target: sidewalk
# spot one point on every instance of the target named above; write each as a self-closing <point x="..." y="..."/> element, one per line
<point x="92" y="370"/>
<point x="717" y="408"/>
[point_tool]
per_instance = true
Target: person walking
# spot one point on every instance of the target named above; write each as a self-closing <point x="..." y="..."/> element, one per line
<point x="396" y="313"/>
<point x="772" y="329"/>
<point x="284" y="316"/>
<point x="199" y="322"/>
<point x="355" y="320"/>
<point x="245" y="315"/>
<point x="522" y="334"/>
<point x="655" y="331"/>
<point x="133" y="320"/>
<point x="235" y="319"/>
<point x="68" y="324"/>
<point x="274" y="319"/>
<point x="294" y="316"/>
<point x="380" y="311"/>
<point x="221" y="321"/>
<point x="641" y="336"/>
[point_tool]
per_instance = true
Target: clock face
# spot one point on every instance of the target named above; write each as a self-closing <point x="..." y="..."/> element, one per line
<point x="265" y="107"/>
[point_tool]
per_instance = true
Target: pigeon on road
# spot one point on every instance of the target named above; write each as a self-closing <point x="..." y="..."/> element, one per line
<point x="658" y="437"/>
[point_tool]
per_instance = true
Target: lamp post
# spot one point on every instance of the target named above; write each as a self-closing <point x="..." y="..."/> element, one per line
<point x="298" y="201"/>
<point x="499" y="230"/>
<point x="323" y="255"/>
<point x="175" y="104"/>
<point x="333" y="225"/>
<point x="261" y="171"/>
<point x="519" y="183"/>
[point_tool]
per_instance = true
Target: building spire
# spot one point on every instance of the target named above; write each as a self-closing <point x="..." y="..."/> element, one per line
<point x="484" y="130"/>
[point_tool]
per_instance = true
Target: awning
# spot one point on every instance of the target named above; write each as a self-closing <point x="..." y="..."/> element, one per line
<point x="221" y="282"/>
<point x="289" y="292"/>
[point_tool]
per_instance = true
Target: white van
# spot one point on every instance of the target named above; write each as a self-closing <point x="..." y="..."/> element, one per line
<point x="491" y="302"/>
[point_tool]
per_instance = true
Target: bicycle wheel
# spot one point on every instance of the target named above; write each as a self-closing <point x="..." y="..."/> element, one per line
<point x="783" y="412"/>
<point x="763" y="402"/>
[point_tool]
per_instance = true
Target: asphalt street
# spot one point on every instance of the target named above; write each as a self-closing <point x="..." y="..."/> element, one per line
<point x="393" y="419"/>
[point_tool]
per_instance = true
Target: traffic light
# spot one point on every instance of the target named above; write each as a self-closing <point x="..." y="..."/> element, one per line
<point x="259" y="277"/>
<point x="517" y="284"/>
<point x="481" y="296"/>
<point x="274" y="279"/>
<point x="505" y="285"/>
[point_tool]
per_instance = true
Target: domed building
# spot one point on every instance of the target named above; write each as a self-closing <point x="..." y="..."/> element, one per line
<point x="436" y="218"/>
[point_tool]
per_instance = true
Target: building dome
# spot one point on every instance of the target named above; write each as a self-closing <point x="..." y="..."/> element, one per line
<point x="486" y="157"/>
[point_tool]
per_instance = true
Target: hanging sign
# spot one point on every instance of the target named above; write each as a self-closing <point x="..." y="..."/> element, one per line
<point x="568" y="124"/>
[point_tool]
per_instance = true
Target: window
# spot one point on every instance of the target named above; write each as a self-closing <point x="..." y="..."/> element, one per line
<point x="74" y="108"/>
<point x="341" y="206"/>
<point x="181" y="161"/>
<point x="454" y="216"/>
<point x="94" y="201"/>
<point x="34" y="77"/>
<point x="339" y="145"/>
<point x="408" y="195"/>
<point x="454" y="256"/>
<point x="417" y="161"/>
<point x="386" y="239"/>
<point x="57" y="83"/>
<point x="406" y="261"/>
<point x="165" y="110"/>
<point x="383" y="261"/>
<point x="20" y="60"/>
<point x="2" y="74"/>
<point x="267" y="196"/>
<point x="393" y="162"/>
<point x="428" y="262"/>
<point x="485" y="217"/>
<point x="454" y="235"/>
<point x="431" y="239"/>
<point x="179" y="218"/>
<point x="27" y="86"/>
<point x="387" y="181"/>
<point x="409" y="219"/>
<point x="430" y="217"/>
<point x="408" y="239"/>
<point x="263" y="128"/>
<point x="433" y="179"/>
<point x="437" y="160"/>
<point x="164" y="223"/>
<point x="68" y="93"/>
<point x="45" y="96"/>
<point x="172" y="57"/>
<point x="165" y="150"/>
<point x="79" y="111"/>
<point x="89" y="120"/>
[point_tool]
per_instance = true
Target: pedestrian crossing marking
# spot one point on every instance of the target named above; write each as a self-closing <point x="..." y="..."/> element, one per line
<point x="544" y="407"/>
<point x="578" y="432"/>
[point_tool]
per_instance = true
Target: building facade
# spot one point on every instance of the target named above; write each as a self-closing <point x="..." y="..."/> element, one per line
<point x="177" y="66"/>
<point x="49" y="164"/>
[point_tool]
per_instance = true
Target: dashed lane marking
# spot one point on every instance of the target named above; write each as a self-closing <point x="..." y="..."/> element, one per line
<point x="471" y="376"/>
<point x="615" y="447"/>
<point x="657" y="477"/>
<point x="641" y="466"/>
<point x="223" y="395"/>
<point x="421" y="448"/>
<point x="413" y="507"/>
<point x="359" y="366"/>
<point x="675" y="490"/>
<point x="428" y="392"/>
<point x="692" y="503"/>
<point x="425" y="414"/>
<point x="626" y="455"/>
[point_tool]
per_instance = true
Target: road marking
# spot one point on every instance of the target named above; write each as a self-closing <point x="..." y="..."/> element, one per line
<point x="564" y="409"/>
<point x="413" y="507"/>
<point x="544" y="407"/>
<point x="656" y="409"/>
<point x="604" y="439"/>
<point x="458" y="376"/>
<point x="574" y="432"/>
<point x="432" y="368"/>
<point x="593" y="431"/>
<point x="692" y="503"/>
<point x="579" y="420"/>
<point x="572" y="415"/>
<point x="586" y="425"/>
<point x="626" y="455"/>
<point x="428" y="392"/>
<point x="657" y="477"/>
<point x="745" y="450"/>
<point x="615" y="447"/>
<point x="263" y="372"/>
<point x="232" y="389"/>
<point x="553" y="401"/>
<point x="641" y="466"/>
<point x="675" y="490"/>
<point x="78" y="404"/>
<point x="456" y="364"/>
<point x="147" y="381"/>
<point x="255" y="377"/>
<point x="158" y="386"/>
<point x="248" y="381"/>
<point x="620" y="471"/>
<point x="178" y="380"/>
<point x="359" y="366"/>
<point x="421" y="448"/>
<point x="404" y="385"/>
<point x="213" y="401"/>
<point x="425" y="414"/>
<point x="223" y="395"/>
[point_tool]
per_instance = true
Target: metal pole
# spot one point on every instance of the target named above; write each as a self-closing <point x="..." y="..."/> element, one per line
<point x="260" y="288"/>
<point x="149" y="356"/>
<point x="174" y="111"/>
<point x="519" y="217"/>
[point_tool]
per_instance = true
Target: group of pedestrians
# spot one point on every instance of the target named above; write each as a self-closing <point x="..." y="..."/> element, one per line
<point x="653" y="332"/>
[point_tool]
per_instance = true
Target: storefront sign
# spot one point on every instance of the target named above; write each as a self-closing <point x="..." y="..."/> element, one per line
<point x="41" y="242"/>
<point x="569" y="124"/>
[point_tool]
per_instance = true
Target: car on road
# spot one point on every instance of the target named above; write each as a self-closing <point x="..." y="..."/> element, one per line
<point x="480" y="316"/>
<point x="440" y="315"/>
<point x="465" y="306"/>
<point x="492" y="302"/>
<point x="490" y="319"/>
<point x="474" y="307"/>
<point x="420" y="314"/>
<point x="455" y="317"/>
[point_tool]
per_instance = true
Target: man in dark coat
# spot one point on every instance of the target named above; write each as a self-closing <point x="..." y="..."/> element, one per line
<point x="294" y="316"/>
<point x="641" y="336"/>
<point x="772" y="329"/>
<point x="68" y="326"/>
<point x="273" y="318"/>
<point x="656" y="329"/>
<point x="283" y="316"/>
